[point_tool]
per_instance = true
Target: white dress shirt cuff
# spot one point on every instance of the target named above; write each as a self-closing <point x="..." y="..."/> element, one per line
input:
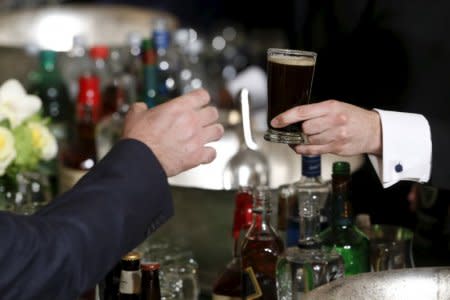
<point x="406" y="139"/>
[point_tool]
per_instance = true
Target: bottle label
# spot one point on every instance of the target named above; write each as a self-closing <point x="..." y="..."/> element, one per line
<point x="68" y="177"/>
<point x="130" y="282"/>
<point x="252" y="290"/>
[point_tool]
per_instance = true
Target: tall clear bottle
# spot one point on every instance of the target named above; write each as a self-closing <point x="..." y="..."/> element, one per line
<point x="167" y="61"/>
<point x="228" y="285"/>
<point x="260" y="250"/>
<point x="310" y="185"/>
<point x="342" y="235"/>
<point x="76" y="63"/>
<point x="308" y="264"/>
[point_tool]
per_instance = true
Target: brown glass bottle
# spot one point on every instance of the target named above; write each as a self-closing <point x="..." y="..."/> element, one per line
<point x="130" y="277"/>
<point x="228" y="285"/>
<point x="150" y="288"/>
<point x="260" y="250"/>
<point x="80" y="156"/>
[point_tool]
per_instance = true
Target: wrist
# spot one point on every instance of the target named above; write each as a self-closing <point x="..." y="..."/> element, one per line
<point x="376" y="140"/>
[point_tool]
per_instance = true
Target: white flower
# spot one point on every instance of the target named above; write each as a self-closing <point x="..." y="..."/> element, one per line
<point x="43" y="140"/>
<point x="7" y="150"/>
<point x="15" y="104"/>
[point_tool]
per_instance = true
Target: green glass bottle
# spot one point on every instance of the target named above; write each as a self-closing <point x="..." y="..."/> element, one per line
<point x="50" y="86"/>
<point x="343" y="235"/>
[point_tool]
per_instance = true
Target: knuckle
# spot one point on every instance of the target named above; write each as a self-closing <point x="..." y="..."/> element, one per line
<point x="343" y="134"/>
<point x="342" y="118"/>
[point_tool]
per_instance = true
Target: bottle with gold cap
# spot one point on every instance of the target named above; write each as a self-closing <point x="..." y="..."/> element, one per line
<point x="130" y="277"/>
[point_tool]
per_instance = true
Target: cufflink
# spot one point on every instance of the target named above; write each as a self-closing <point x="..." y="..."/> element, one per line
<point x="398" y="168"/>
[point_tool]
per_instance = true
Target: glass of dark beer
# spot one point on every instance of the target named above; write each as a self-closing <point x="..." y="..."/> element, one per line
<point x="289" y="80"/>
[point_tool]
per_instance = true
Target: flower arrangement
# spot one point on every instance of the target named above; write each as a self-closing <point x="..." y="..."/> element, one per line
<point x="25" y="140"/>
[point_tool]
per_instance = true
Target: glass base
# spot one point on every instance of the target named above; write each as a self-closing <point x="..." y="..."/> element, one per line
<point x="285" y="137"/>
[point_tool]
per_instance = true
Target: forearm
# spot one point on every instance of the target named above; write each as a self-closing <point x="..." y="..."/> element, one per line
<point x="69" y="246"/>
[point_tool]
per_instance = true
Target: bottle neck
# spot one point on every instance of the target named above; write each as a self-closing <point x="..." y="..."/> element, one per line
<point x="342" y="214"/>
<point x="261" y="219"/>
<point x="242" y="219"/>
<point x="309" y="222"/>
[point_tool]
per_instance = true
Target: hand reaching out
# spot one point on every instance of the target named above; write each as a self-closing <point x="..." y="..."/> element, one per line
<point x="335" y="127"/>
<point x="177" y="130"/>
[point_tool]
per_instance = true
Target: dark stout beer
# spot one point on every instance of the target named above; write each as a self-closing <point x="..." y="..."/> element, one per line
<point x="289" y="84"/>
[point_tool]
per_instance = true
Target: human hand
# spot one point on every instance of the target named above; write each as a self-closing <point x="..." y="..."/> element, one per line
<point x="334" y="127"/>
<point x="177" y="130"/>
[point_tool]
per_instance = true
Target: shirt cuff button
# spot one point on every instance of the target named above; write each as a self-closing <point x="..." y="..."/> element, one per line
<point x="398" y="168"/>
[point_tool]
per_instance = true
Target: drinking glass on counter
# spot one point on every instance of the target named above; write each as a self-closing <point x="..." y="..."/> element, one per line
<point x="178" y="270"/>
<point x="289" y="80"/>
<point x="390" y="247"/>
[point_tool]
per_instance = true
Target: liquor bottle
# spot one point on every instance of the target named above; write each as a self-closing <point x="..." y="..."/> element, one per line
<point x="342" y="235"/>
<point x="228" y="285"/>
<point x="133" y="60"/>
<point x="287" y="201"/>
<point x="308" y="264"/>
<point x="150" y="288"/>
<point x="167" y="61"/>
<point x="80" y="156"/>
<point x="260" y="250"/>
<point x="49" y="85"/>
<point x="310" y="185"/>
<point x="100" y="67"/>
<point x="109" y="131"/>
<point x="149" y="88"/>
<point x="130" y="277"/>
<point x="76" y="63"/>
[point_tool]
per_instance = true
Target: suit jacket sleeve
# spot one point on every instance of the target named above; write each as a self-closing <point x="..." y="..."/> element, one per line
<point x="68" y="246"/>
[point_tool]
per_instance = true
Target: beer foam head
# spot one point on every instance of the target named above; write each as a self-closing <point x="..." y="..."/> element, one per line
<point x="292" y="60"/>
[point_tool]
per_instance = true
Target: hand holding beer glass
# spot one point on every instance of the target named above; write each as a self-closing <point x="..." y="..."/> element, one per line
<point x="289" y="80"/>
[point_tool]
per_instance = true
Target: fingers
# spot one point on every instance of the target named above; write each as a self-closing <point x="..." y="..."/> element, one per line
<point x="208" y="115"/>
<point x="299" y="113"/>
<point x="208" y="155"/>
<point x="212" y="133"/>
<point x="137" y="107"/>
<point x="194" y="99"/>
<point x="312" y="149"/>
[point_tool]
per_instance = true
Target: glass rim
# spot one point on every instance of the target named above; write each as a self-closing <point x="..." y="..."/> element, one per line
<point x="295" y="52"/>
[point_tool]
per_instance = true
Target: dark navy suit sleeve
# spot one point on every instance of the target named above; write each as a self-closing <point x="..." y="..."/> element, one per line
<point x="68" y="246"/>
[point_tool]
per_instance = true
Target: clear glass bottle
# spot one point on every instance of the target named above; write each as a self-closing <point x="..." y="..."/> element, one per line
<point x="167" y="61"/>
<point x="307" y="264"/>
<point x="109" y="131"/>
<point x="310" y="185"/>
<point x="260" y="250"/>
<point x="99" y="64"/>
<point x="76" y="63"/>
<point x="342" y="235"/>
<point x="229" y="284"/>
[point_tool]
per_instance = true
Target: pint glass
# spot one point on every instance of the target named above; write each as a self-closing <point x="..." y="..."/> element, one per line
<point x="289" y="80"/>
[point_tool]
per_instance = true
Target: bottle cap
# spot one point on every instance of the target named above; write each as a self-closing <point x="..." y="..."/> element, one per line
<point x="47" y="58"/>
<point x="99" y="51"/>
<point x="341" y="168"/>
<point x="150" y="266"/>
<point x="311" y="165"/>
<point x="131" y="256"/>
